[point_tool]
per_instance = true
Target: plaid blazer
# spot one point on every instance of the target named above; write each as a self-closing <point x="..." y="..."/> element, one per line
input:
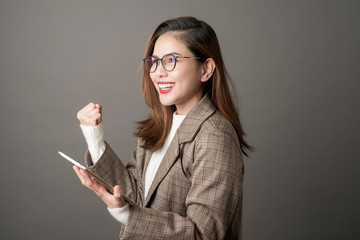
<point x="197" y="190"/>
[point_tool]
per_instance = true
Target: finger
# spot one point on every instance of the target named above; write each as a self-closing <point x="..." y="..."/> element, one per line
<point x="94" y="114"/>
<point x="117" y="191"/>
<point x="87" y="181"/>
<point x="91" y="117"/>
<point x="77" y="171"/>
<point x="85" y="110"/>
<point x="103" y="193"/>
<point x="99" y="106"/>
<point x="118" y="196"/>
<point x="86" y="177"/>
<point x="114" y="200"/>
<point x="88" y="107"/>
<point x="99" y="118"/>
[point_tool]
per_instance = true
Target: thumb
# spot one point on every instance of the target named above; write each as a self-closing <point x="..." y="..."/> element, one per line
<point x="117" y="191"/>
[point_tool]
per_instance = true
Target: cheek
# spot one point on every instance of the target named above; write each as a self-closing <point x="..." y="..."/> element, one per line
<point x="152" y="77"/>
<point x="192" y="77"/>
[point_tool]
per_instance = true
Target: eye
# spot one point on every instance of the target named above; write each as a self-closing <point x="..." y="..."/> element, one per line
<point x="153" y="61"/>
<point x="172" y="59"/>
<point x="169" y="59"/>
<point x="150" y="62"/>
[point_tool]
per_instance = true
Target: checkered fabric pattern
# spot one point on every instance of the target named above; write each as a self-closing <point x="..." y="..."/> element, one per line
<point x="197" y="191"/>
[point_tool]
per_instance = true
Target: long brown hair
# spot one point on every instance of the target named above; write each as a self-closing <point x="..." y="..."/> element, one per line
<point x="202" y="41"/>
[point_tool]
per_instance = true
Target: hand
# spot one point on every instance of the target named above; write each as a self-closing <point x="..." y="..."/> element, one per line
<point x="115" y="200"/>
<point x="90" y="115"/>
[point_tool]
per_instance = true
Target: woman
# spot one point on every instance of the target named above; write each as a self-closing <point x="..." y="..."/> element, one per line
<point x="185" y="178"/>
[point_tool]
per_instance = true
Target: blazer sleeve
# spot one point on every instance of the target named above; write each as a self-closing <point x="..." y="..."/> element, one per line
<point x="213" y="201"/>
<point x="111" y="169"/>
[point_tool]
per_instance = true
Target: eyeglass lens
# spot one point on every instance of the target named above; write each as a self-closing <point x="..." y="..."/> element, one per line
<point x="167" y="61"/>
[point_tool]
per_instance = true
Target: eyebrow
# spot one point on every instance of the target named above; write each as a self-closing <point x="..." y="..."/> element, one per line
<point x="174" y="53"/>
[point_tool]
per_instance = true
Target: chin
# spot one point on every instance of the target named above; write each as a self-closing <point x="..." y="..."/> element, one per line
<point x="166" y="102"/>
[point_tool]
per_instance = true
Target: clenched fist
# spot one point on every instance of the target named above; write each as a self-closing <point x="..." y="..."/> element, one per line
<point x="90" y="115"/>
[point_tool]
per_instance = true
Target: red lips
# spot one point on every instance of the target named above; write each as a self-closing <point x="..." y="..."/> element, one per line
<point x="165" y="87"/>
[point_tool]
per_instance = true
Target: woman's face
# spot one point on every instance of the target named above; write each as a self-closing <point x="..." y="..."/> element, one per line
<point x="181" y="86"/>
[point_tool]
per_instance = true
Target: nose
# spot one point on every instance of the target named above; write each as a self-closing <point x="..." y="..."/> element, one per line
<point x="160" y="72"/>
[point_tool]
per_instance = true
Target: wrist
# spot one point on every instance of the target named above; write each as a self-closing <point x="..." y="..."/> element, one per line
<point x="94" y="135"/>
<point x="120" y="214"/>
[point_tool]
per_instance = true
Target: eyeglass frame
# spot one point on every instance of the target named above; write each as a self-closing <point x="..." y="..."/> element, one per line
<point x="161" y="60"/>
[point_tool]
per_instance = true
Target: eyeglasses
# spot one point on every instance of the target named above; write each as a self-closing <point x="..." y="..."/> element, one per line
<point x="168" y="62"/>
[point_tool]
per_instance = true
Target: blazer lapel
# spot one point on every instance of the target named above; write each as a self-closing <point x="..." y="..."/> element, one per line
<point x="168" y="160"/>
<point x="185" y="133"/>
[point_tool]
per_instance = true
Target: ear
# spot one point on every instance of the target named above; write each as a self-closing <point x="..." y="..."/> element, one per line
<point x="207" y="70"/>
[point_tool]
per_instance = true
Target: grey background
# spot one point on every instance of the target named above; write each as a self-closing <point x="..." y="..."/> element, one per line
<point x="295" y="65"/>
